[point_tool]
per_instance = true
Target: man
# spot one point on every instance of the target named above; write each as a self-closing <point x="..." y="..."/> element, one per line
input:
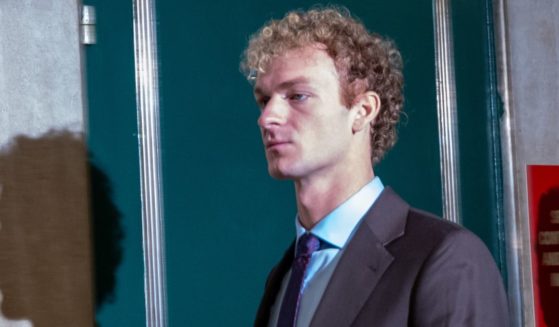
<point x="330" y="96"/>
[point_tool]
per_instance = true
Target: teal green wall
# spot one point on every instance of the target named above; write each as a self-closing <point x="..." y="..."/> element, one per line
<point x="112" y="139"/>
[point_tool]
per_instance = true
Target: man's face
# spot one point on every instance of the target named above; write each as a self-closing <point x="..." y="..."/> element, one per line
<point x="305" y="128"/>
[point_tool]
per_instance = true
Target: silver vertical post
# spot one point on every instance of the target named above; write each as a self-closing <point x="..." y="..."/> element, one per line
<point x="147" y="98"/>
<point x="446" y="111"/>
<point x="519" y="273"/>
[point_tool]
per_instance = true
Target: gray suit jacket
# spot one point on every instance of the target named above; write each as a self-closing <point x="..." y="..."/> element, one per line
<point x="404" y="267"/>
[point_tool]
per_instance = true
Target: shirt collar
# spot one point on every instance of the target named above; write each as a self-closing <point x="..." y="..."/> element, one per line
<point x="336" y="228"/>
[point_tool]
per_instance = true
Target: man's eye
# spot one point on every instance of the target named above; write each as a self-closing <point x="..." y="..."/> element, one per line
<point x="262" y="101"/>
<point x="298" y="97"/>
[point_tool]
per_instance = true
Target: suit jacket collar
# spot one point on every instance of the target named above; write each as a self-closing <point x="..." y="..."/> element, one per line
<point x="387" y="217"/>
<point x="363" y="262"/>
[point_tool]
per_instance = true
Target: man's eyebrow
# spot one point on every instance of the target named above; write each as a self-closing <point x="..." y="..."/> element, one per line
<point x="285" y="84"/>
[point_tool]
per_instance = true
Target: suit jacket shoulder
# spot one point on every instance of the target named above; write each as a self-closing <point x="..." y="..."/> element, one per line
<point x="458" y="277"/>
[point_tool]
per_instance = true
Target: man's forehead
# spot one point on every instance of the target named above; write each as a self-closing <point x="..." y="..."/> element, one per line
<point x="299" y="65"/>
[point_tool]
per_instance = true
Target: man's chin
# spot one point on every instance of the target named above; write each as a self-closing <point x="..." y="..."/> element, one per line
<point x="279" y="174"/>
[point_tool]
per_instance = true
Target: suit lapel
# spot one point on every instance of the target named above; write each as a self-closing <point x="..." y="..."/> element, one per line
<point x="273" y="285"/>
<point x="363" y="262"/>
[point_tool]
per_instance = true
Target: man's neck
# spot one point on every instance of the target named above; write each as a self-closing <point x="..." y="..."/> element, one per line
<point x="318" y="197"/>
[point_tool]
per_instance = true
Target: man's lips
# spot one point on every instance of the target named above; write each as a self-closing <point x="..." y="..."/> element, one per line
<point x="275" y="144"/>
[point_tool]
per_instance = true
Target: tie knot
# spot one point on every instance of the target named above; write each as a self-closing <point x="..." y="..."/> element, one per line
<point x="307" y="244"/>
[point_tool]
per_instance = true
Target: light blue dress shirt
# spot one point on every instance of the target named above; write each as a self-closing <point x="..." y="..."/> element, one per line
<point x="336" y="229"/>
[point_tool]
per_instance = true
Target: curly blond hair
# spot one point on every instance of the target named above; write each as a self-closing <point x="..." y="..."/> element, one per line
<point x="364" y="61"/>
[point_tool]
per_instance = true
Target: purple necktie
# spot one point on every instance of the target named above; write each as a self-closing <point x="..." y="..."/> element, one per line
<point x="306" y="245"/>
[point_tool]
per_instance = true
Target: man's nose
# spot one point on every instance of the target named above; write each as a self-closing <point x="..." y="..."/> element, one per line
<point x="273" y="113"/>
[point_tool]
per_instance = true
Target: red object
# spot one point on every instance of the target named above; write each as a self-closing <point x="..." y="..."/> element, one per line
<point x="543" y="197"/>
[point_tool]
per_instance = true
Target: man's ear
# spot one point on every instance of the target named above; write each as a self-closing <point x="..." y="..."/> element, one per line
<point x="367" y="107"/>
